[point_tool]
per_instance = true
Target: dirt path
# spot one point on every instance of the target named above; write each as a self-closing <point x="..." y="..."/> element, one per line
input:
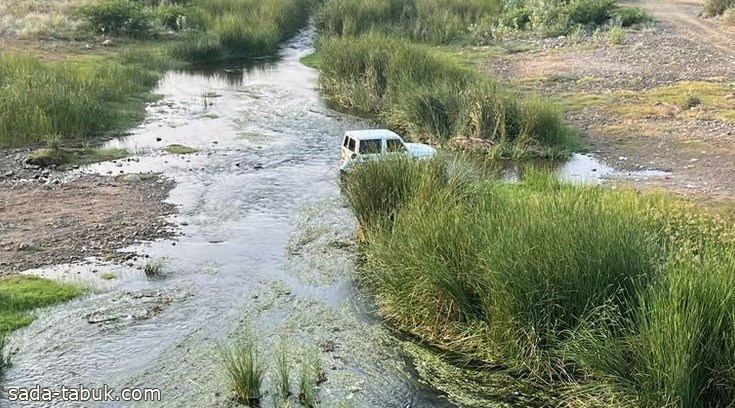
<point x="685" y="16"/>
<point x="663" y="99"/>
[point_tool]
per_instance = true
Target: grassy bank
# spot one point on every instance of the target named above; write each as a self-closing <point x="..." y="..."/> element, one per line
<point x="19" y="296"/>
<point x="106" y="90"/>
<point x="77" y="99"/>
<point x="227" y="29"/>
<point x="615" y="298"/>
<point x="426" y="95"/>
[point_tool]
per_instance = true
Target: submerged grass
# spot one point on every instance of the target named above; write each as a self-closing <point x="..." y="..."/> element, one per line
<point x="624" y="297"/>
<point x="427" y="95"/>
<point x="20" y="295"/>
<point x="245" y="369"/>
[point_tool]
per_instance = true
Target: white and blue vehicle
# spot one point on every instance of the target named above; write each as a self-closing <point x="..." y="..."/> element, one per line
<point x="377" y="144"/>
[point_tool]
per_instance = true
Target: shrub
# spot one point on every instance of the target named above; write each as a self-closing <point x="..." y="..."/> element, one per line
<point x="627" y="16"/>
<point x="616" y="36"/>
<point x="717" y="7"/>
<point x="119" y="18"/>
<point x="728" y="17"/>
<point x="173" y="17"/>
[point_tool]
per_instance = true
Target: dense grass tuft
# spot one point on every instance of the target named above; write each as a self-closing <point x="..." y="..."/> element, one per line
<point x="426" y="95"/>
<point x="245" y="369"/>
<point x="20" y="294"/>
<point x="626" y="297"/>
<point x="433" y="21"/>
<point x="227" y="29"/>
<point x="75" y="100"/>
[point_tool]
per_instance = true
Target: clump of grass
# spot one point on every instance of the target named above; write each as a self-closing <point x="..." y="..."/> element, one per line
<point x="70" y="157"/>
<point x="180" y="149"/>
<point x="616" y="36"/>
<point x="627" y="16"/>
<point x="226" y="29"/>
<point x="717" y="7"/>
<point x="433" y="21"/>
<point x="282" y="365"/>
<point x="119" y="18"/>
<point x="107" y="275"/>
<point x="310" y="376"/>
<point x="154" y="268"/>
<point x="21" y="294"/>
<point x="70" y="100"/>
<point x="245" y="369"/>
<point x="728" y="17"/>
<point x="4" y="353"/>
<point x="692" y="101"/>
<point x="424" y="94"/>
<point x="621" y="296"/>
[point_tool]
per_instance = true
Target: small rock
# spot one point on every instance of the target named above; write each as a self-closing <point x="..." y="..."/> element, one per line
<point x="158" y="139"/>
<point x="107" y="43"/>
<point x="23" y="246"/>
<point x="132" y="178"/>
<point x="622" y="158"/>
<point x="9" y="173"/>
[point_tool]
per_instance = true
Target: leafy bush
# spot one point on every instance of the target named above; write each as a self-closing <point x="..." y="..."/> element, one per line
<point x="173" y="17"/>
<point x="119" y="18"/>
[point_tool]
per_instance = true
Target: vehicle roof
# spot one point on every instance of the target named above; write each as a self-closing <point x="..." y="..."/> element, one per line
<point x="372" y="134"/>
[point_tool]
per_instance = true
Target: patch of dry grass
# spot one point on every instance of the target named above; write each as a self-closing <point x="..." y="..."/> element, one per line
<point x="689" y="100"/>
<point x="33" y="18"/>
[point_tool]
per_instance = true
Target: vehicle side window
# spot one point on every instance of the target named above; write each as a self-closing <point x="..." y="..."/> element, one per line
<point x="346" y="141"/>
<point x="350" y="144"/>
<point x="395" y="145"/>
<point x="370" y="146"/>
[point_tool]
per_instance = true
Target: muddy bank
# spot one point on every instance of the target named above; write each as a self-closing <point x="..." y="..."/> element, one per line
<point x="47" y="221"/>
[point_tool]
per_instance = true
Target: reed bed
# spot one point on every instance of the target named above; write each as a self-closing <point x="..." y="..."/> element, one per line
<point x="616" y="297"/>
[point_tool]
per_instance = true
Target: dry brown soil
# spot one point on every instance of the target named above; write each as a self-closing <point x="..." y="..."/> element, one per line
<point x="630" y="101"/>
<point x="45" y="223"/>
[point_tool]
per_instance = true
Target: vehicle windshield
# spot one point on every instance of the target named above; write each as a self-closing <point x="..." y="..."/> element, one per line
<point x="370" y="146"/>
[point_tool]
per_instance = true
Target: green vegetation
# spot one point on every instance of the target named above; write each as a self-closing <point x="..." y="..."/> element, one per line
<point x="476" y="21"/>
<point x="76" y="99"/>
<point x="92" y="96"/>
<point x="433" y="21"/>
<point x="71" y="157"/>
<point x="154" y="268"/>
<point x="616" y="298"/>
<point x="717" y="7"/>
<point x="313" y="60"/>
<point x="226" y="29"/>
<point x="284" y="378"/>
<point x="107" y="275"/>
<point x="310" y="377"/>
<point x="20" y="294"/>
<point x="427" y="95"/>
<point x="245" y="369"/>
<point x="180" y="149"/>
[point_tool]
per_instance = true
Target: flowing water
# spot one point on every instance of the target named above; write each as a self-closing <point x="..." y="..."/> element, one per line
<point x="265" y="246"/>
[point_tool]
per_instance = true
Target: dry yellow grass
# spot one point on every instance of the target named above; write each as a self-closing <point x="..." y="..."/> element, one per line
<point x="31" y="18"/>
